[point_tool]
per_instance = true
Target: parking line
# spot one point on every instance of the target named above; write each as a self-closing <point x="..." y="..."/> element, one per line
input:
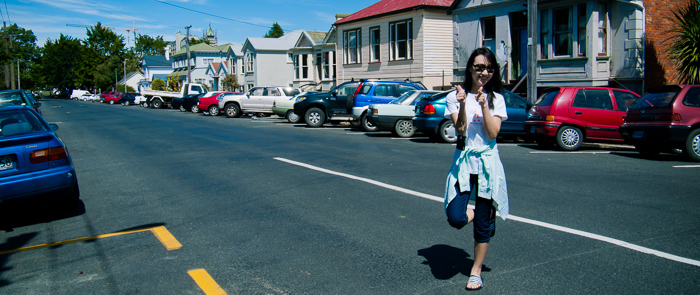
<point x="167" y="239"/>
<point x="572" y="152"/>
<point x="205" y="282"/>
<point x="687" y="166"/>
<point x="512" y="217"/>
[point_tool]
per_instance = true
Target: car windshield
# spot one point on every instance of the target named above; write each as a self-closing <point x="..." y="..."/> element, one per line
<point x="11" y="98"/>
<point x="403" y="98"/>
<point x="290" y="91"/>
<point x="19" y="121"/>
<point x="655" y="99"/>
<point x="347" y="88"/>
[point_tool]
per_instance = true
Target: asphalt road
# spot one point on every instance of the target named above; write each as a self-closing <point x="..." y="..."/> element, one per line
<point x="182" y="203"/>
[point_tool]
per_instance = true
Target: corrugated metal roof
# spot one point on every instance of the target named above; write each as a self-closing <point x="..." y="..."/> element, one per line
<point x="388" y="6"/>
<point x="282" y="43"/>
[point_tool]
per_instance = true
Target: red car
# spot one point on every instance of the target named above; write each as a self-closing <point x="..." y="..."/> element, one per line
<point x="104" y="94"/>
<point x="665" y="118"/>
<point x="211" y="103"/>
<point x="113" y="98"/>
<point x="568" y="116"/>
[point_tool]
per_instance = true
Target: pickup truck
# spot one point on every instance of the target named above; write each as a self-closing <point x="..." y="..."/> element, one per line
<point x="256" y="100"/>
<point x="158" y="99"/>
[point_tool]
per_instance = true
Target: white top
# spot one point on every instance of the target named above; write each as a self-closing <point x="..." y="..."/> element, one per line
<point x="476" y="133"/>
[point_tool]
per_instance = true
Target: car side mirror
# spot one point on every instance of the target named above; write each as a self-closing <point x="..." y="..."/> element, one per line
<point x="53" y="126"/>
<point x="334" y="92"/>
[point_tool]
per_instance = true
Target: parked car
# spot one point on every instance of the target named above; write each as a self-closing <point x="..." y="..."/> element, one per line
<point x="130" y="98"/>
<point x="18" y="97"/>
<point x="568" y="116"/>
<point x="112" y="98"/>
<point x="377" y="92"/>
<point x="665" y="118"/>
<point x="141" y="100"/>
<point x="256" y="100"/>
<point x="187" y="102"/>
<point x="284" y="107"/>
<point x="210" y="102"/>
<point x="34" y="162"/>
<point x="430" y="116"/>
<point x="104" y="94"/>
<point x="397" y="115"/>
<point x="76" y="93"/>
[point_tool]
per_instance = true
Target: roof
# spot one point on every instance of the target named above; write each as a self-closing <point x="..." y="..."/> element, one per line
<point x="385" y="7"/>
<point x="203" y="47"/>
<point x="156" y="61"/>
<point x="128" y="76"/>
<point x="282" y="43"/>
<point x="317" y="36"/>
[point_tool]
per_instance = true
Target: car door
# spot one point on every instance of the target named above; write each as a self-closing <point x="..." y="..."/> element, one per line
<point x="253" y="99"/>
<point x="517" y="109"/>
<point x="593" y="108"/>
<point x="340" y="96"/>
<point x="623" y="100"/>
<point x="269" y="96"/>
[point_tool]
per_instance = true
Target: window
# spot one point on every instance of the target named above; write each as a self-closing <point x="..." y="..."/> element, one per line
<point x="602" y="28"/>
<point x="352" y="46"/>
<point x="326" y="65"/>
<point x="304" y="66"/>
<point x="401" y="40"/>
<point x="249" y="61"/>
<point x="208" y="61"/>
<point x="488" y="33"/>
<point x="296" y="66"/>
<point x="624" y="99"/>
<point x="582" y="22"/>
<point x="384" y="90"/>
<point x="544" y="34"/>
<point x="593" y="99"/>
<point x="561" y="25"/>
<point x="271" y="92"/>
<point x="374" y="44"/>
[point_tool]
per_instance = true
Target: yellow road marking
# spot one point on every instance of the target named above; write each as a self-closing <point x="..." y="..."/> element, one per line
<point x="205" y="282"/>
<point x="167" y="239"/>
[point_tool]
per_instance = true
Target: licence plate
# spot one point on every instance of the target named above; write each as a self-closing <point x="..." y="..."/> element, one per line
<point x="6" y="163"/>
<point x="532" y="129"/>
<point x="638" y="134"/>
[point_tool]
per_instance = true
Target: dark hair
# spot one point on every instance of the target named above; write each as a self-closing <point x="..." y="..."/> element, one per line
<point x="494" y="84"/>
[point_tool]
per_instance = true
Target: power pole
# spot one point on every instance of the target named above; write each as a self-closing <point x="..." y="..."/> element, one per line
<point x="188" y="54"/>
<point x="532" y="50"/>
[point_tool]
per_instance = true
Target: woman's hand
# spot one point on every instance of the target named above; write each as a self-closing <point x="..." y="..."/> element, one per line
<point x="461" y="95"/>
<point x="481" y="97"/>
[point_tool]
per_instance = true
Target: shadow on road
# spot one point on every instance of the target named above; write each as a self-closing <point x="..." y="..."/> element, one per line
<point x="14" y="215"/>
<point x="446" y="261"/>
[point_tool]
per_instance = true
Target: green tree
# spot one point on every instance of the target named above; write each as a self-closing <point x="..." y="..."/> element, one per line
<point x="685" y="42"/>
<point x="158" y="84"/>
<point x="22" y="49"/>
<point x="173" y="82"/>
<point x="147" y="45"/>
<point x="194" y="41"/>
<point x="60" y="62"/>
<point x="230" y="82"/>
<point x="105" y="56"/>
<point x="275" y="31"/>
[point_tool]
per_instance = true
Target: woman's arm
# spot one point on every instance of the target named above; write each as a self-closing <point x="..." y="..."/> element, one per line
<point x="459" y="119"/>
<point x="492" y="124"/>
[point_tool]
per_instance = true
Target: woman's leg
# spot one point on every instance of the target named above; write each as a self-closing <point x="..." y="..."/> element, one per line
<point x="458" y="215"/>
<point x="482" y="235"/>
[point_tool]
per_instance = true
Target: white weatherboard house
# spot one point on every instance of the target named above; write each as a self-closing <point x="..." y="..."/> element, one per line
<point x="132" y="80"/>
<point x="234" y="61"/>
<point x="579" y="42"/>
<point x="397" y="40"/>
<point x="201" y="56"/>
<point x="267" y="61"/>
<point x="155" y="67"/>
<point x="314" y="61"/>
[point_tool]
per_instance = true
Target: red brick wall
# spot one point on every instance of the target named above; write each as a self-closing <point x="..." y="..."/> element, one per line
<point x="660" y="69"/>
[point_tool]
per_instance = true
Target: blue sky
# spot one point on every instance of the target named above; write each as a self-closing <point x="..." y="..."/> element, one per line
<point x="232" y="20"/>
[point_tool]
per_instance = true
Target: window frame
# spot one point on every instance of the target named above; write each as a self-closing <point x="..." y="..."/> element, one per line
<point x="356" y="49"/>
<point x="395" y="43"/>
<point x="603" y="28"/>
<point x="375" y="44"/>
<point x="582" y="25"/>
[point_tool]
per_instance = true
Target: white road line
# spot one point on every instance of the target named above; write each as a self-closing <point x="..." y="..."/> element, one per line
<point x="687" y="166"/>
<point x="511" y="217"/>
<point x="556" y="152"/>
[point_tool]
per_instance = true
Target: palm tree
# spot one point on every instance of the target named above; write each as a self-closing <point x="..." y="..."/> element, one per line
<point x="685" y="42"/>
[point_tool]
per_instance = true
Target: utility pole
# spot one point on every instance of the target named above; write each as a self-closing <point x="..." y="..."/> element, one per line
<point x="18" y="86"/>
<point x="532" y="50"/>
<point x="7" y="49"/>
<point x="188" y="54"/>
<point x="124" y="75"/>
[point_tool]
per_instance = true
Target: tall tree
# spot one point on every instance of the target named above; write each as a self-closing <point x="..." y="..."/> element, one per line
<point x="105" y="56"/>
<point x="22" y="49"/>
<point x="275" y="31"/>
<point x="60" y="62"/>
<point x="230" y="82"/>
<point x="147" y="45"/>
<point x="685" y="42"/>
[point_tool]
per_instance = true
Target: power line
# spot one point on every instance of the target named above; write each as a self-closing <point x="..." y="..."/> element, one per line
<point x="209" y="14"/>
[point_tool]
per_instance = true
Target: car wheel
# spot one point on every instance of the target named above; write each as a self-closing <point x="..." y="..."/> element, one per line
<point x="569" y="138"/>
<point x="692" y="145"/>
<point x="292" y="117"/>
<point x="446" y="132"/>
<point x="182" y="108"/>
<point x="126" y="103"/>
<point x="213" y="110"/>
<point x="367" y="125"/>
<point x="144" y="104"/>
<point x="232" y="110"/>
<point x="404" y="128"/>
<point x="194" y="109"/>
<point x="315" y="117"/>
<point x="111" y="102"/>
<point x="157" y="103"/>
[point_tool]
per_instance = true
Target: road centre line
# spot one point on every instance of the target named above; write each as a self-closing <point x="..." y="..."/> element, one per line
<point x="512" y="217"/>
<point x="167" y="239"/>
<point x="571" y="152"/>
<point x="205" y="282"/>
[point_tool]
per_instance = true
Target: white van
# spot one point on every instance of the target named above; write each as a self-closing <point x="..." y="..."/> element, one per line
<point x="76" y="93"/>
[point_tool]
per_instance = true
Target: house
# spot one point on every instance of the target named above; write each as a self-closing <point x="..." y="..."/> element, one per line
<point x="234" y="61"/>
<point x="156" y="66"/>
<point x="267" y="61"/>
<point x="660" y="68"/>
<point x="313" y="58"/>
<point x="216" y="73"/>
<point x="579" y="42"/>
<point x="202" y="55"/>
<point x="397" y="40"/>
<point x="132" y="80"/>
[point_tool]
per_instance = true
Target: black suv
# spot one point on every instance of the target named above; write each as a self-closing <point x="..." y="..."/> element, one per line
<point x="349" y="101"/>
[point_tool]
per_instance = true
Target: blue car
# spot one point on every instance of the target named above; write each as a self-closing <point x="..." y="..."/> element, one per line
<point x="430" y="116"/>
<point x="34" y="162"/>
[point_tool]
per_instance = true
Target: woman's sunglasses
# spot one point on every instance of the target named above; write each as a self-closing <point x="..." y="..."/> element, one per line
<point x="481" y="67"/>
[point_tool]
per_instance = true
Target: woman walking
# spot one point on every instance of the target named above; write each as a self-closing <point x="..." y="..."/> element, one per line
<point x="477" y="110"/>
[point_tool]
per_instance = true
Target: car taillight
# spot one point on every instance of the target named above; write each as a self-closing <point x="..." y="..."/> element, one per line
<point x="429" y="109"/>
<point x="45" y="155"/>
<point x="662" y="117"/>
<point x="374" y="111"/>
<point x="354" y="95"/>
